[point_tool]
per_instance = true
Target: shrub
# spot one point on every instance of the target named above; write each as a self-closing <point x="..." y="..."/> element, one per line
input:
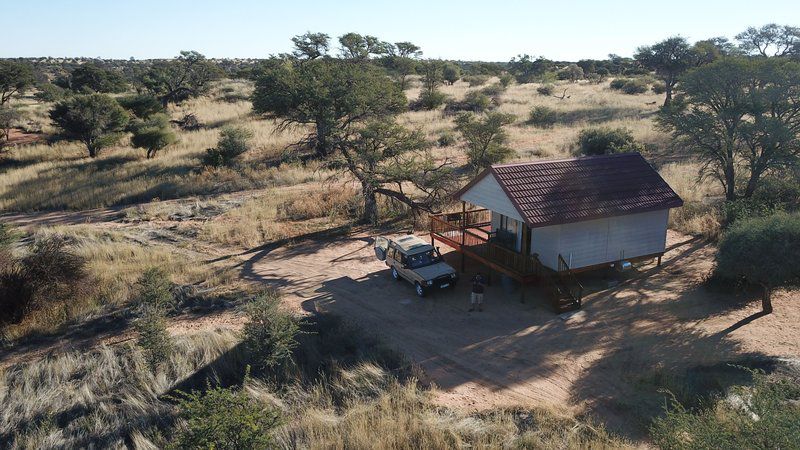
<point x="485" y="138"/>
<point x="141" y="105"/>
<point x="429" y="100"/>
<point x="758" y="416"/>
<point x="224" y="418"/>
<point x="506" y="80"/>
<point x="617" y="83"/>
<point x="493" y="90"/>
<point x="545" y="89"/>
<point x="634" y="86"/>
<point x="475" y="101"/>
<point x="49" y="93"/>
<point x="774" y="194"/>
<point x="543" y="117"/>
<point x="658" y="88"/>
<point x="603" y="141"/>
<point x="153" y="134"/>
<point x="270" y="333"/>
<point x="154" y="290"/>
<point x="446" y="139"/>
<point x="50" y="274"/>
<point x="233" y="141"/>
<point x="763" y="251"/>
<point x="450" y="73"/>
<point x="476" y="80"/>
<point x="154" y="339"/>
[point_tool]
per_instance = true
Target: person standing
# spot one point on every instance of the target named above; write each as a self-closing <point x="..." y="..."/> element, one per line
<point x="476" y="298"/>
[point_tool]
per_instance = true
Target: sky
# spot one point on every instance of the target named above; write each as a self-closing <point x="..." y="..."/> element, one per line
<point x="465" y="29"/>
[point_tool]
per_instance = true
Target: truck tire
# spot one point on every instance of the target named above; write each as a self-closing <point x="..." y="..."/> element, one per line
<point x="420" y="290"/>
<point x="395" y="273"/>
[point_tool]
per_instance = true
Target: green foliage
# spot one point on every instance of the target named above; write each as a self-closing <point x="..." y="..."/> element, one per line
<point x="154" y="299"/>
<point x="451" y="73"/>
<point x="634" y="86"/>
<point x="89" y="78"/>
<point x="49" y="93"/>
<point x="476" y="80"/>
<point x="270" y="334"/>
<point x="153" y="134"/>
<point x="384" y="156"/>
<point x="142" y="105"/>
<point x="485" y="138"/>
<point x="96" y="119"/>
<point x="545" y="89"/>
<point x="9" y="117"/>
<point x="603" y="141"/>
<point x="669" y="59"/>
<point x="188" y="75"/>
<point x="528" y="70"/>
<point x="543" y="117"/>
<point x="493" y="90"/>
<point x="739" y="114"/>
<point x="658" y="88"/>
<point x="225" y="419"/>
<point x="572" y="72"/>
<point x="763" y="251"/>
<point x="446" y="139"/>
<point x="329" y="94"/>
<point x="15" y="78"/>
<point x="506" y="80"/>
<point x="617" y="83"/>
<point x="432" y="77"/>
<point x="764" y="415"/>
<point x="154" y="339"/>
<point x="359" y="48"/>
<point x="233" y="141"/>
<point x="311" y="45"/>
<point x="154" y="290"/>
<point x="475" y="101"/>
<point x="770" y="40"/>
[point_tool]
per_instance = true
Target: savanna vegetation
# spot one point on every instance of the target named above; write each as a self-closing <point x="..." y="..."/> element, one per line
<point x="320" y="140"/>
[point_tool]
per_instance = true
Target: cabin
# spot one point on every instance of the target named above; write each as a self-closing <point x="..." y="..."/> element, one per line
<point x="552" y="218"/>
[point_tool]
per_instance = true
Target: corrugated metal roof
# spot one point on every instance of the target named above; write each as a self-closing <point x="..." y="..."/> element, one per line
<point x="577" y="189"/>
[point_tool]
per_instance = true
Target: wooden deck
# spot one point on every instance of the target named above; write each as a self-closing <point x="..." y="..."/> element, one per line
<point x="470" y="232"/>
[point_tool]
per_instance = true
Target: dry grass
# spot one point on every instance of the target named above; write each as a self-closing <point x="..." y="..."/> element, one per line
<point x="115" y="262"/>
<point x="700" y="215"/>
<point x="109" y="398"/>
<point x="282" y="214"/>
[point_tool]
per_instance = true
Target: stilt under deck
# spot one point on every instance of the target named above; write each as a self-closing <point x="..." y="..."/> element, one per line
<point x="470" y="233"/>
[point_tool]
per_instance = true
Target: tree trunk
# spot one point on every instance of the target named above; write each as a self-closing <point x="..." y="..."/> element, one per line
<point x="321" y="146"/>
<point x="730" y="181"/>
<point x="668" y="91"/>
<point x="92" y="150"/>
<point x="752" y="184"/>
<point x="766" y="300"/>
<point x="370" y="204"/>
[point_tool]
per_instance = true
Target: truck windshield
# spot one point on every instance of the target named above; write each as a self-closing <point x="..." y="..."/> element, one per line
<point x="423" y="259"/>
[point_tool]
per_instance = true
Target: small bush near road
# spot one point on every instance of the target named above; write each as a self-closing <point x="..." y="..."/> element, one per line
<point x="270" y="333"/>
<point x="233" y="141"/>
<point x="545" y="89"/>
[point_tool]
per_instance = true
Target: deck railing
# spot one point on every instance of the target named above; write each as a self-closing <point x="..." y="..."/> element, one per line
<point x="570" y="281"/>
<point x="467" y="233"/>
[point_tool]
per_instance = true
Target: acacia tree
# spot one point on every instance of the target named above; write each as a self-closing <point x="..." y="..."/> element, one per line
<point x="8" y="118"/>
<point x="330" y="94"/>
<point x="188" y="75"/>
<point x="387" y="159"/>
<point x="357" y="47"/>
<point x="403" y="61"/>
<point x="770" y="40"/>
<point x="485" y="138"/>
<point x="764" y="251"/>
<point x="669" y="58"/>
<point x="310" y="45"/>
<point x="97" y="120"/>
<point x="432" y="77"/>
<point x="15" y="78"/>
<point x="91" y="78"/>
<point x="739" y="109"/>
<point x="525" y="69"/>
<point x="153" y="134"/>
<point x="451" y="73"/>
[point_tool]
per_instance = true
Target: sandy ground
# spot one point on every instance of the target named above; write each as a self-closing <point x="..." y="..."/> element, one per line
<point x="514" y="353"/>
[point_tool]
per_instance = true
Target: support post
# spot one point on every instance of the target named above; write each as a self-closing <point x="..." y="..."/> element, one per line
<point x="463" y="231"/>
<point x="658" y="263"/>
